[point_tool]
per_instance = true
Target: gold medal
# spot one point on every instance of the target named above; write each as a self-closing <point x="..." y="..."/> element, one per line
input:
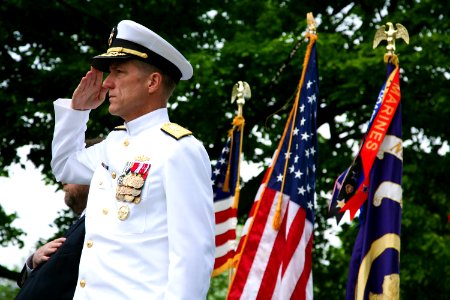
<point x="129" y="198"/>
<point x="126" y="190"/>
<point x="135" y="192"/>
<point x="127" y="179"/>
<point x="120" y="197"/>
<point x="120" y="190"/>
<point x="137" y="182"/>
<point x="137" y="200"/>
<point x="123" y="212"/>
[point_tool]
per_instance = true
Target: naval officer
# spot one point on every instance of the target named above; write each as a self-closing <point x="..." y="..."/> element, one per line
<point x="149" y="218"/>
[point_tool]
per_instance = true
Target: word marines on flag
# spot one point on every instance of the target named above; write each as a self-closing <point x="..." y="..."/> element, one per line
<point x="351" y="187"/>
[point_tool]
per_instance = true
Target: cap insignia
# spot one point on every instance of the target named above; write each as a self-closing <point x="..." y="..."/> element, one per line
<point x="112" y="36"/>
<point x="114" y="51"/>
<point x="175" y="130"/>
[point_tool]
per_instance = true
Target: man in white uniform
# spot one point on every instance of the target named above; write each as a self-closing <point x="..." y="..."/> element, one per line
<point x="149" y="217"/>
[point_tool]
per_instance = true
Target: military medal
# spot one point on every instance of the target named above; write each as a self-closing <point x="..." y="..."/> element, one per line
<point x="129" y="185"/>
<point x="129" y="198"/>
<point x="123" y="212"/>
<point x="136" y="182"/>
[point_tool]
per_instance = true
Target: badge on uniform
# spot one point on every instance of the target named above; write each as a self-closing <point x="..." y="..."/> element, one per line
<point x="129" y="185"/>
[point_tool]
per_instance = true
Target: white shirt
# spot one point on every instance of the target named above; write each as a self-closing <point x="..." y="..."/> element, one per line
<point x="165" y="248"/>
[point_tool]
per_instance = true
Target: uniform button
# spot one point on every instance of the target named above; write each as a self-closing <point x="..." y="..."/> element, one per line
<point x="89" y="243"/>
<point x="100" y="183"/>
<point x="113" y="175"/>
<point x="126" y="143"/>
<point x="105" y="211"/>
<point x="82" y="283"/>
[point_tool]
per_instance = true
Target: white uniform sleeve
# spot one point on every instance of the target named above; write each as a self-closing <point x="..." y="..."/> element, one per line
<point x="190" y="217"/>
<point x="70" y="163"/>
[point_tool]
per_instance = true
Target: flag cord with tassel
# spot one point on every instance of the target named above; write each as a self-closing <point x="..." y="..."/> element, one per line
<point x="277" y="217"/>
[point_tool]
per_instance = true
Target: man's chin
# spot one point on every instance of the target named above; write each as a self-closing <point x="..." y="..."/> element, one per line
<point x="112" y="110"/>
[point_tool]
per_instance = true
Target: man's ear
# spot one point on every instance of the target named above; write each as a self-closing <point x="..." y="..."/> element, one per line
<point x="154" y="82"/>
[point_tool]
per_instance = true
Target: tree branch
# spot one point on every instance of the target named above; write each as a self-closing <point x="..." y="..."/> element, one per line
<point x="8" y="274"/>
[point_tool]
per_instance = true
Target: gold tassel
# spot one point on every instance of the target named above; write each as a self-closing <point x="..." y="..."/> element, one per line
<point x="392" y="58"/>
<point x="237" y="191"/>
<point x="226" y="182"/>
<point x="238" y="121"/>
<point x="277" y="217"/>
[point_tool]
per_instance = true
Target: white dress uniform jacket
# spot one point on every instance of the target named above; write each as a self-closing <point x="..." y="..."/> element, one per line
<point x="164" y="249"/>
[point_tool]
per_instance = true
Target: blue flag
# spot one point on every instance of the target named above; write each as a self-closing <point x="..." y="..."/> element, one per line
<point x="375" y="261"/>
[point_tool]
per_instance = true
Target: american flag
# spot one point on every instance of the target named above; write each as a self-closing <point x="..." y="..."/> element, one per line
<point x="375" y="262"/>
<point x="225" y="179"/>
<point x="275" y="261"/>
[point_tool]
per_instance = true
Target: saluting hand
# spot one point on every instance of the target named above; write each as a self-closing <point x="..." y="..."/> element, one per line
<point x="43" y="253"/>
<point x="90" y="93"/>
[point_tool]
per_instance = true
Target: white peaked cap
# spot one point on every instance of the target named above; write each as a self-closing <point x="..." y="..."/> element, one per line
<point x="131" y="40"/>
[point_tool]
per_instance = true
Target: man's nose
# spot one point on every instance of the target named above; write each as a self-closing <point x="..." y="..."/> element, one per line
<point x="107" y="83"/>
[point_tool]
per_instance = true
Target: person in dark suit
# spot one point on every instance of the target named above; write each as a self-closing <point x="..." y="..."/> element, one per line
<point x="52" y="271"/>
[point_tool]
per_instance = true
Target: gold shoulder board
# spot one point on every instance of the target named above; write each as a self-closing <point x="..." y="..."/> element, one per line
<point x="175" y="130"/>
<point x="118" y="128"/>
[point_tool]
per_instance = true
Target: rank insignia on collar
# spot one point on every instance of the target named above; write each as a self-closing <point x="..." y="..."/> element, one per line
<point x="175" y="130"/>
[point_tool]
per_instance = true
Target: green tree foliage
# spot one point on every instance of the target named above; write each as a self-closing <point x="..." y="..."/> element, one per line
<point x="46" y="47"/>
<point x="8" y="291"/>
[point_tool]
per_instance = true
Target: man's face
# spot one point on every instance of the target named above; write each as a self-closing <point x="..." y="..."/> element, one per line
<point x="128" y="90"/>
<point x="76" y="196"/>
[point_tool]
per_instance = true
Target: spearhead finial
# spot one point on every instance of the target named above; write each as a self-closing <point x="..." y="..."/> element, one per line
<point x="241" y="92"/>
<point x="390" y="35"/>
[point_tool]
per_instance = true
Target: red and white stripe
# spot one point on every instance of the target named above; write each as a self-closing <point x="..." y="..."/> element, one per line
<point x="274" y="264"/>
<point x="226" y="222"/>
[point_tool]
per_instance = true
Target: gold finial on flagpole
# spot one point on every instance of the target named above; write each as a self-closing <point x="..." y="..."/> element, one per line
<point x="390" y="35"/>
<point x="311" y="23"/>
<point x="240" y="93"/>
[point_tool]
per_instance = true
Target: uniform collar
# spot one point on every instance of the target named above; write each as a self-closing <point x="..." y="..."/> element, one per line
<point x="146" y="121"/>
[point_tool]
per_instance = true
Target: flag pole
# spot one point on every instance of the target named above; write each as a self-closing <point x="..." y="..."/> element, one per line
<point x="265" y="252"/>
<point x="239" y="94"/>
<point x="311" y="34"/>
<point x="376" y="251"/>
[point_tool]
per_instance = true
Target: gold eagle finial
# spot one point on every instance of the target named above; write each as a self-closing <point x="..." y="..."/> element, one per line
<point x="390" y="35"/>
<point x="241" y="92"/>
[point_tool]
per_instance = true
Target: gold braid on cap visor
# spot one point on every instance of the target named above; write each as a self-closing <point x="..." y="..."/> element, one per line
<point x="117" y="50"/>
